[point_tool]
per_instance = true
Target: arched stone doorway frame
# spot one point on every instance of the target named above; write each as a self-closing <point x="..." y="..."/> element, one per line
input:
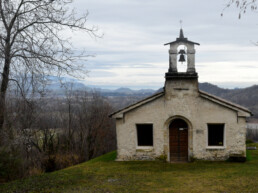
<point x="190" y="135"/>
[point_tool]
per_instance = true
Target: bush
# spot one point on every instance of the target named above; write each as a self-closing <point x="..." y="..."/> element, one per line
<point x="49" y="164"/>
<point x="59" y="161"/>
<point x="248" y="141"/>
<point x="248" y="155"/>
<point x="66" y="160"/>
<point x="10" y="165"/>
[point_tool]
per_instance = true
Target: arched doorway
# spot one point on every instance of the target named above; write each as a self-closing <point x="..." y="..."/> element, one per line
<point x="178" y="140"/>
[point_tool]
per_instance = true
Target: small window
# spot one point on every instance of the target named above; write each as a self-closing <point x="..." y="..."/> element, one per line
<point x="145" y="134"/>
<point x="215" y="134"/>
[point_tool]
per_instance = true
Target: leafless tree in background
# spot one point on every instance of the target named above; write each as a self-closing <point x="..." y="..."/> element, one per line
<point x="31" y="39"/>
<point x="96" y="131"/>
<point x="242" y="6"/>
<point x="40" y="133"/>
<point x="44" y="134"/>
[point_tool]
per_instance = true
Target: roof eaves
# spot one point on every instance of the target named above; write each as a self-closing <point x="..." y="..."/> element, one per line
<point x="225" y="102"/>
<point x="137" y="104"/>
<point x="182" y="40"/>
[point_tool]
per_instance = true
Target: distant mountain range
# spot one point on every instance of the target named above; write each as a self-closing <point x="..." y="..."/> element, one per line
<point x="57" y="87"/>
<point x="247" y="97"/>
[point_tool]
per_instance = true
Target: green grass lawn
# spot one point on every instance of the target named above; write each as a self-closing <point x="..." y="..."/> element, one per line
<point x="105" y="175"/>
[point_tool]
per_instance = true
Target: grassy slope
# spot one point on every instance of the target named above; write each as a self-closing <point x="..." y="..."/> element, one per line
<point x="104" y="175"/>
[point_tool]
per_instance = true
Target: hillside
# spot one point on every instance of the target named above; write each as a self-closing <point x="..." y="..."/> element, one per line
<point x="102" y="174"/>
<point x="247" y="97"/>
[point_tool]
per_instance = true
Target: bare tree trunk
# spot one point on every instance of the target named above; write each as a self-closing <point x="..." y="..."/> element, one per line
<point x="4" y="85"/>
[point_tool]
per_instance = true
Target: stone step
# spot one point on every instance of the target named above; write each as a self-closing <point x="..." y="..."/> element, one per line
<point x="251" y="148"/>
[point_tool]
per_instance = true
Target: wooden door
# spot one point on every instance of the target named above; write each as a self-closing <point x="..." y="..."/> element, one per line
<point x="178" y="140"/>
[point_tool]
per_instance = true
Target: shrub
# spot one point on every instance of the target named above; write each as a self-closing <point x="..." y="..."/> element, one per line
<point x="49" y="163"/>
<point x="10" y="165"/>
<point x="66" y="160"/>
<point x="248" y="141"/>
<point x="59" y="161"/>
<point x="248" y="156"/>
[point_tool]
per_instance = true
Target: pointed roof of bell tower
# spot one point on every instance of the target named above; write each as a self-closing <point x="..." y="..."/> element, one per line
<point x="181" y="38"/>
<point x="181" y="35"/>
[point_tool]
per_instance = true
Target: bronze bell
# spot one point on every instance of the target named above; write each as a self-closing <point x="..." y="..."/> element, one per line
<point x="182" y="56"/>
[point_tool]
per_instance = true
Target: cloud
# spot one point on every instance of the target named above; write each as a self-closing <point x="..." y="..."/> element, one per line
<point x="131" y="52"/>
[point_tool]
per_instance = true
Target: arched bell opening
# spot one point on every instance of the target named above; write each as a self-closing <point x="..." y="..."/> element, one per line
<point x="178" y="140"/>
<point x="182" y="58"/>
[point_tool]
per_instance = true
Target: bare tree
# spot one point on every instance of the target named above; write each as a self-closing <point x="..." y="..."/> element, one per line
<point x="242" y="6"/>
<point x="31" y="39"/>
<point x="96" y="130"/>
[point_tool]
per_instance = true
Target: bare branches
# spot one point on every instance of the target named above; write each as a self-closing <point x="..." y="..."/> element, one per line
<point x="242" y="6"/>
<point x="31" y="39"/>
<point x="34" y="29"/>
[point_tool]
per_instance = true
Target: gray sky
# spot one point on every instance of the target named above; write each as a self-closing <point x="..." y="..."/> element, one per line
<point x="131" y="52"/>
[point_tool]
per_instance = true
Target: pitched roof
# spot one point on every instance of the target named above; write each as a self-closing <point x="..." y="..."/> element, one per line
<point x="203" y="94"/>
<point x="223" y="102"/>
<point x="139" y="103"/>
<point x="181" y="39"/>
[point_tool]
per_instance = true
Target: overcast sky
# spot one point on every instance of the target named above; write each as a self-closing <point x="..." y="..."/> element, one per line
<point x="132" y="52"/>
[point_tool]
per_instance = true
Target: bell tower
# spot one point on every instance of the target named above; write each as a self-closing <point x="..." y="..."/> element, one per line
<point x="187" y="80"/>
<point x="173" y="52"/>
